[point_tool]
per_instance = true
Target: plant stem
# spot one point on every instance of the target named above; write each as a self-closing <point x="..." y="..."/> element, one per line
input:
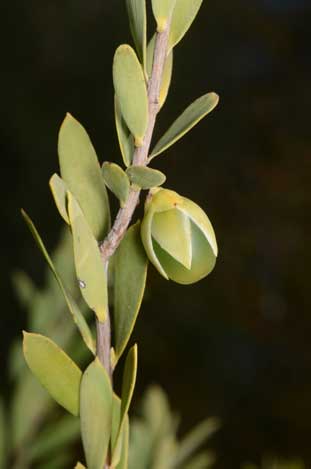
<point x="124" y="216"/>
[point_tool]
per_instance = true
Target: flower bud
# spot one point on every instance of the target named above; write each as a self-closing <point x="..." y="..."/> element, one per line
<point x="178" y="237"/>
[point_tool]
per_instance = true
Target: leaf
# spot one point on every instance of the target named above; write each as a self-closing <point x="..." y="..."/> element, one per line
<point x="117" y="181"/>
<point x="81" y="173"/>
<point x="131" y="91"/>
<point x="120" y="453"/>
<point x="130" y="272"/>
<point x="188" y="119"/>
<point x="89" y="266"/>
<point x="54" y="369"/>
<point x="126" y="141"/>
<point x="167" y="70"/>
<point x="123" y="463"/>
<point x="59" y="190"/>
<point x="162" y="10"/>
<point x="128" y="385"/>
<point x="203" y="459"/>
<point x="95" y="414"/>
<point x="144" y="177"/>
<point x="138" y="24"/>
<point x="72" y="306"/>
<point x="194" y="439"/>
<point x="79" y="466"/>
<point x="54" y="437"/>
<point x="184" y="14"/>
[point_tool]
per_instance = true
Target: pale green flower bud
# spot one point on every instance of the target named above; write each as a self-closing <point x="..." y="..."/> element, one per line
<point x="178" y="237"/>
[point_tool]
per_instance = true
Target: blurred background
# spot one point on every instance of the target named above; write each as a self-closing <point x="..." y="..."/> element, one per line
<point x="237" y="344"/>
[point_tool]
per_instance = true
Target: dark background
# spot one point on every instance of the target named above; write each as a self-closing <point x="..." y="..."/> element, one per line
<point x="237" y="344"/>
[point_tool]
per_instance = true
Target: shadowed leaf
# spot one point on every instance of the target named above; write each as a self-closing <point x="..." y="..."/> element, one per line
<point x="138" y="25"/>
<point x="117" y="181"/>
<point x="126" y="141"/>
<point x="145" y="177"/>
<point x="59" y="190"/>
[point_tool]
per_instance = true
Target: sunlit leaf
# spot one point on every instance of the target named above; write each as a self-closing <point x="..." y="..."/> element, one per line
<point x="59" y="190"/>
<point x="138" y="25"/>
<point x="72" y="306"/>
<point x="117" y="181"/>
<point x="145" y="177"/>
<point x="81" y="173"/>
<point x="126" y="141"/>
<point x="95" y="414"/>
<point x="162" y="10"/>
<point x="131" y="91"/>
<point x="54" y="369"/>
<point x="184" y="13"/>
<point x="89" y="266"/>
<point x="167" y="71"/>
<point x="130" y="271"/>
<point x="188" y="119"/>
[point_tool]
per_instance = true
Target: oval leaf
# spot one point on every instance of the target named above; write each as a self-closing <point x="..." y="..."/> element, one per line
<point x="184" y="14"/>
<point x="131" y="91"/>
<point x="188" y="119"/>
<point x="138" y="24"/>
<point x="125" y="138"/>
<point x="117" y="181"/>
<point x="59" y="189"/>
<point x="128" y="385"/>
<point x="167" y="71"/>
<point x="81" y="173"/>
<point x="162" y="10"/>
<point x="54" y="369"/>
<point x="129" y="272"/>
<point x="95" y="414"/>
<point x="89" y="266"/>
<point x="72" y="306"/>
<point x="144" y="177"/>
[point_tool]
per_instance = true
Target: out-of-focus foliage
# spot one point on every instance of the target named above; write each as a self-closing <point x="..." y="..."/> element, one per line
<point x="154" y="441"/>
<point x="274" y="463"/>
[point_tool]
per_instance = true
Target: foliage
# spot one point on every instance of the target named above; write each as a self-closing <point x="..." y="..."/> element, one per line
<point x="111" y="262"/>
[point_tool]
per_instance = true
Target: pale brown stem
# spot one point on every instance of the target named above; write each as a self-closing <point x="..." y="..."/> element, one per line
<point x="124" y="216"/>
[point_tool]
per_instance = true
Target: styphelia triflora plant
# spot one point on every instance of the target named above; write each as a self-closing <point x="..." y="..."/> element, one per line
<point x="175" y="233"/>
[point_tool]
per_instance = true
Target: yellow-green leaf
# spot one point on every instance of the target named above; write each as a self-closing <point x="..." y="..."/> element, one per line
<point x="125" y="138"/>
<point x="95" y="414"/>
<point x="89" y="266"/>
<point x="59" y="190"/>
<point x="167" y="71"/>
<point x="188" y="119"/>
<point x="119" y="455"/>
<point x="123" y="463"/>
<point x="145" y="177"/>
<point x="81" y="173"/>
<point x="117" y="181"/>
<point x="128" y="385"/>
<point x="130" y="272"/>
<point x="79" y="466"/>
<point x="72" y="305"/>
<point x="184" y="13"/>
<point x="162" y="10"/>
<point x="138" y="25"/>
<point x="131" y="91"/>
<point x="54" y="369"/>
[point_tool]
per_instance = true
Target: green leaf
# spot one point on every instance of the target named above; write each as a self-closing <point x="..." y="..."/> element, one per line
<point x="128" y="385"/>
<point x="126" y="141"/>
<point x="145" y="177"/>
<point x="188" y="119"/>
<point x="131" y="91"/>
<point x="120" y="453"/>
<point x="95" y="414"/>
<point x="194" y="439"/>
<point x="138" y="25"/>
<point x="89" y="265"/>
<point x="162" y="10"/>
<point x="59" y="190"/>
<point x="167" y="71"/>
<point x="117" y="181"/>
<point x="184" y="14"/>
<point x="72" y="306"/>
<point x="123" y="463"/>
<point x="54" y="369"/>
<point x="79" y="466"/>
<point x="54" y="437"/>
<point x="130" y="271"/>
<point x="81" y="173"/>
